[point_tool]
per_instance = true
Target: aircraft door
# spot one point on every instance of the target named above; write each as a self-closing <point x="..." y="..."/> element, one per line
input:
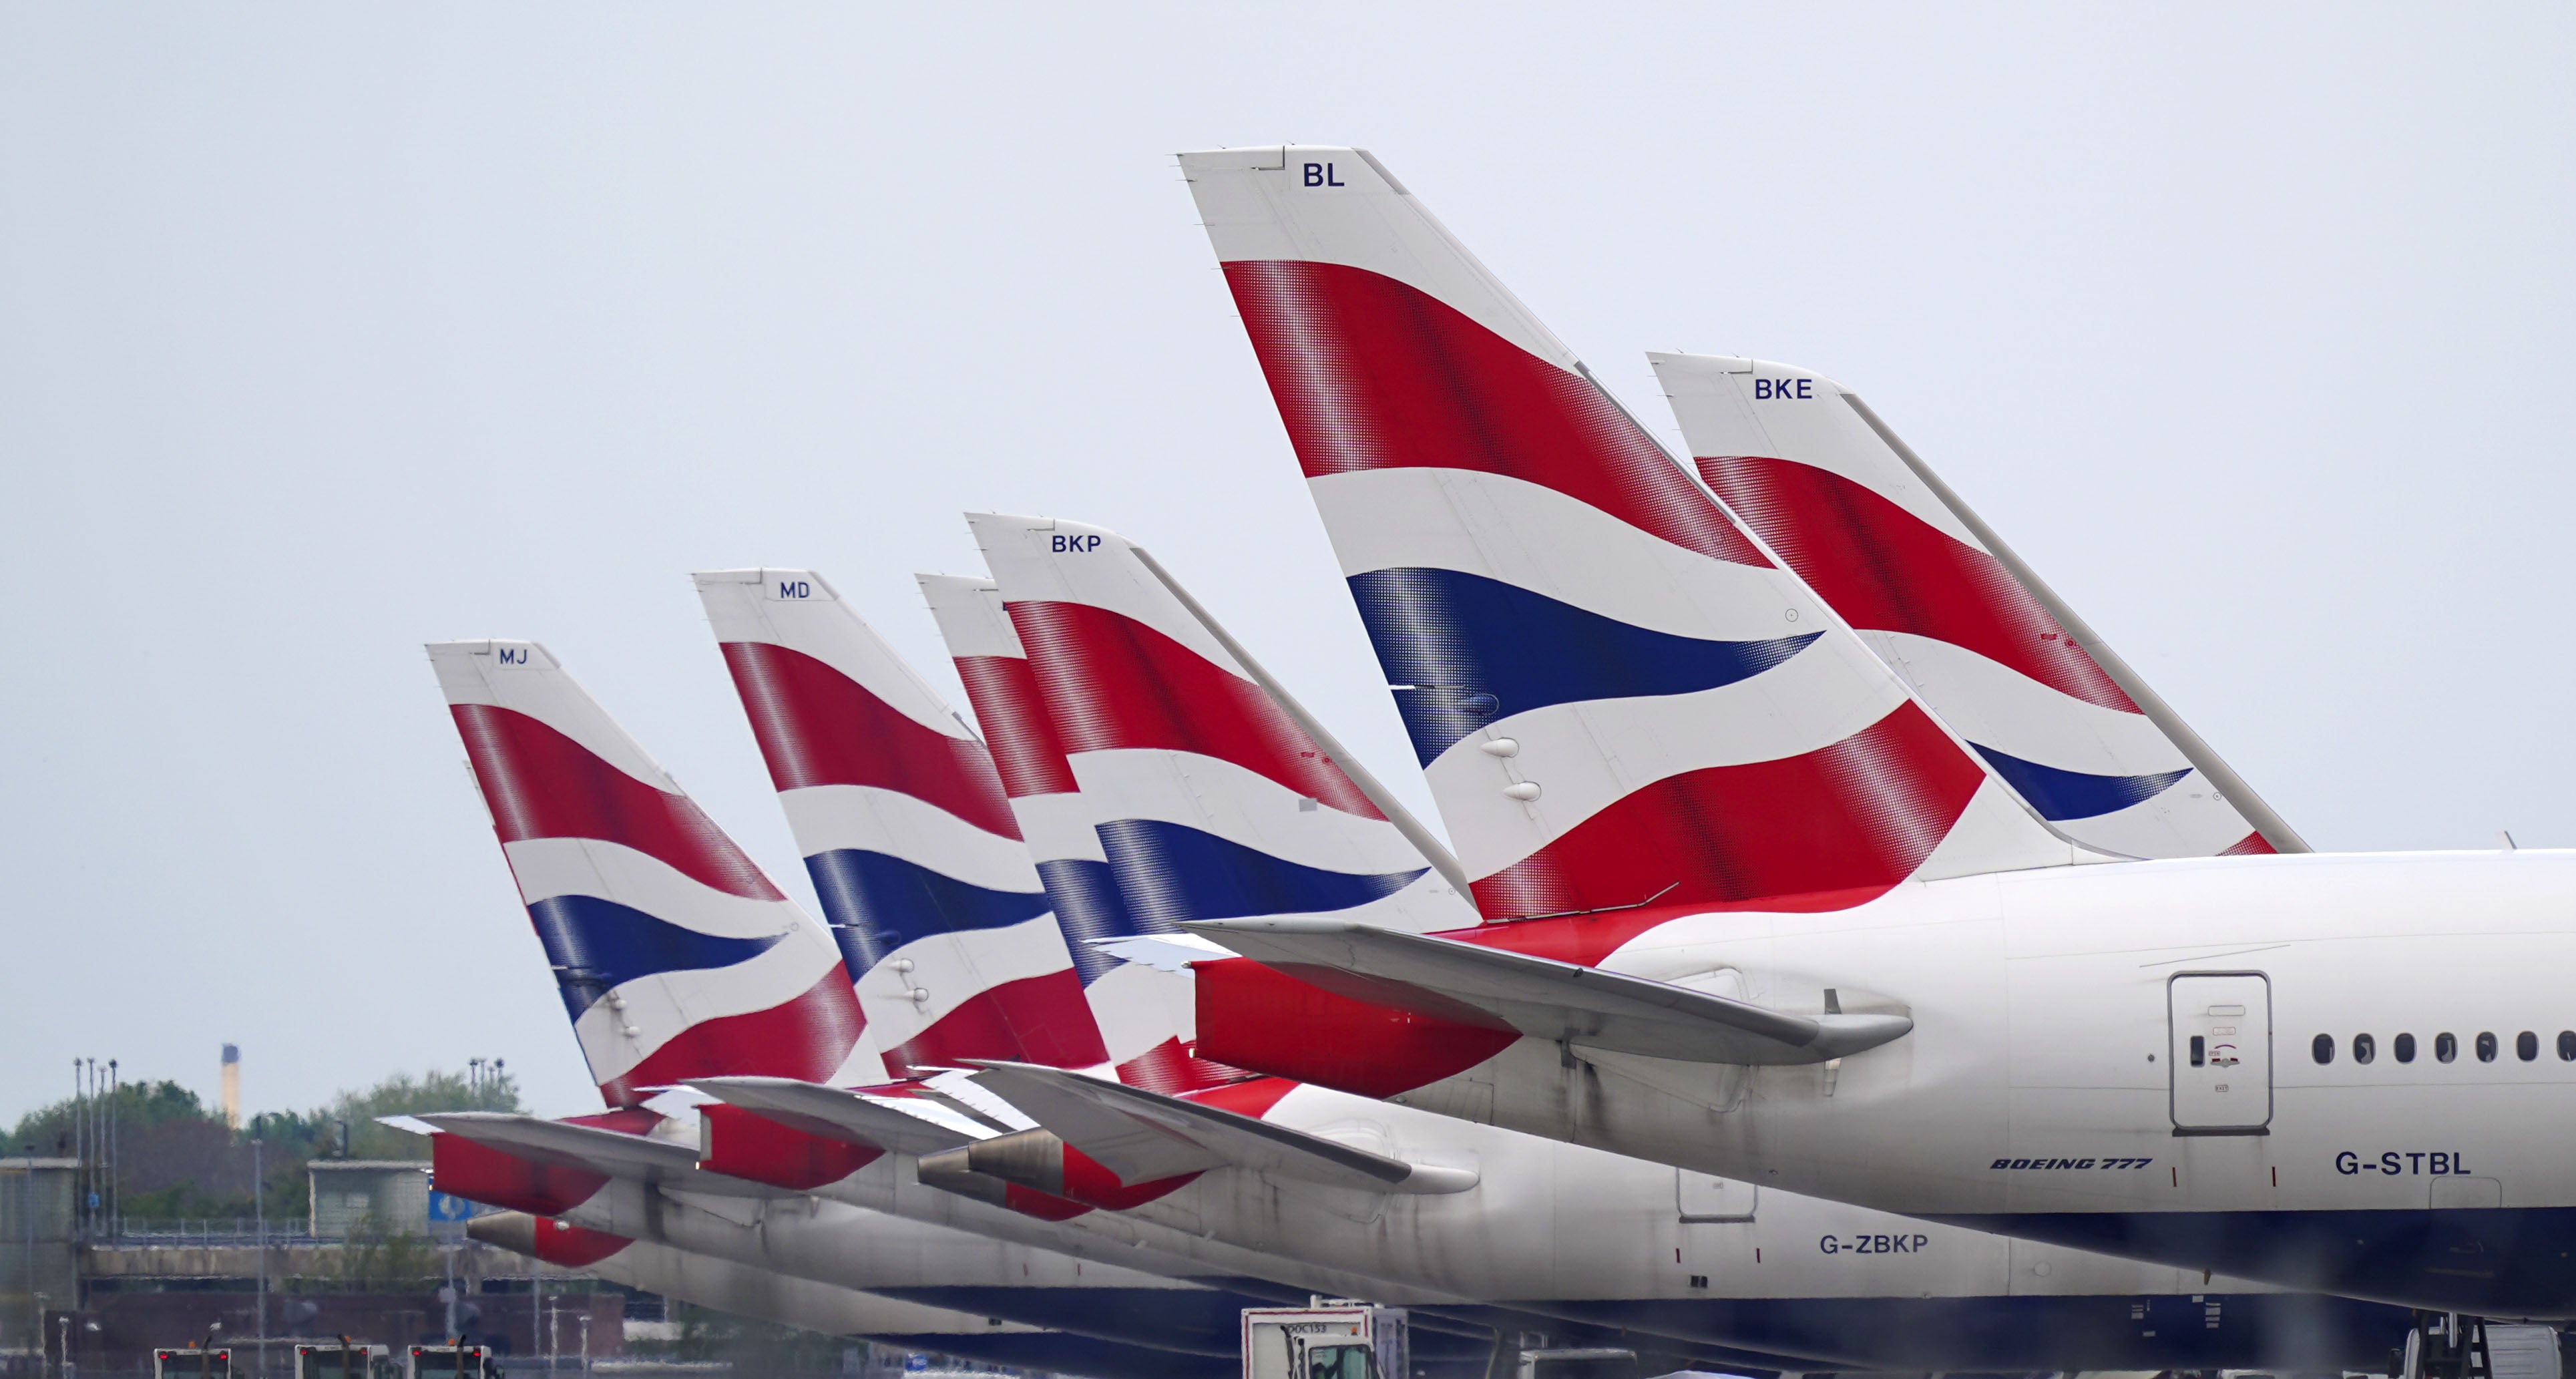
<point x="1703" y="1198"/>
<point x="1716" y="1230"/>
<point x="2221" y="1024"/>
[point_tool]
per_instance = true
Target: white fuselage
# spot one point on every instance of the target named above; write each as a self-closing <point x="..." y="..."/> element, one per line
<point x="1580" y="1235"/>
<point x="2048" y="1085"/>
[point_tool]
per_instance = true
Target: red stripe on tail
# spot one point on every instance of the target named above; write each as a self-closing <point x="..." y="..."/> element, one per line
<point x="1859" y="815"/>
<point x="542" y="784"/>
<point x="806" y="1038"/>
<point x="1370" y="373"/>
<point x="1112" y="682"/>
<point x="817" y="726"/>
<point x="1003" y="692"/>
<point x="1887" y="570"/>
<point x="1044" y="1019"/>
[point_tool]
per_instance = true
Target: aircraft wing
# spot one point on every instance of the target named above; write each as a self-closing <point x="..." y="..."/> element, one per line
<point x="1142" y="1135"/>
<point x="1544" y="998"/>
<point x="839" y="1114"/>
<point x="1137" y="1150"/>
<point x="631" y="1157"/>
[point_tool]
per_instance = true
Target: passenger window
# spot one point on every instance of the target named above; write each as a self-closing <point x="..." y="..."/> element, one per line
<point x="2321" y="1048"/>
<point x="2486" y="1048"/>
<point x="2404" y="1047"/>
<point x="2364" y="1048"/>
<point x="2446" y="1047"/>
<point x="2567" y="1046"/>
<point x="2526" y="1046"/>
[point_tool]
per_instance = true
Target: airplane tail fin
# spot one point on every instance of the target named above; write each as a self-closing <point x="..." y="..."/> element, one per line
<point x="1145" y="1011"/>
<point x="1619" y="700"/>
<point x="905" y="829"/>
<point x="1210" y="798"/>
<point x="675" y="955"/>
<point x="1812" y="471"/>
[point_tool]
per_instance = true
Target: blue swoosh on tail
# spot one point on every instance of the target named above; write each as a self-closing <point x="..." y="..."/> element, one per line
<point x="877" y="903"/>
<point x="1171" y="873"/>
<point x="1089" y="907"/>
<point x="597" y="944"/>
<point x="1477" y="649"/>
<point x="2061" y="794"/>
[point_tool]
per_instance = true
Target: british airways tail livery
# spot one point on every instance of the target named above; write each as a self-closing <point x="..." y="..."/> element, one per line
<point x="2207" y="1062"/>
<point x="1144" y="1015"/>
<point x="1619" y="700"/>
<point x="1829" y="490"/>
<point x="1209" y="799"/>
<point x="911" y="843"/>
<point x="676" y="957"/>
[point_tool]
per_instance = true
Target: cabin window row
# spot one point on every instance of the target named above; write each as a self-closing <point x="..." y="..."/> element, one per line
<point x="2446" y="1047"/>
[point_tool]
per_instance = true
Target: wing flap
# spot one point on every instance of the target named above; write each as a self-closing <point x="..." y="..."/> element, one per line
<point x="633" y="1158"/>
<point x="835" y="1113"/>
<point x="1142" y="1135"/>
<point x="1546" y="999"/>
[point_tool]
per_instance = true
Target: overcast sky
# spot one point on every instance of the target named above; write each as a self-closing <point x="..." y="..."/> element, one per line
<point x="325" y="331"/>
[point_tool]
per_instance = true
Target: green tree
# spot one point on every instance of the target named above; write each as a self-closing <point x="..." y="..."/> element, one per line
<point x="177" y="1159"/>
<point x="404" y="1095"/>
<point x="380" y="1258"/>
<point x="139" y="1106"/>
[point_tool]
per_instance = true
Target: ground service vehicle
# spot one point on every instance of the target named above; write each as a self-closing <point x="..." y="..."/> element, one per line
<point x="1331" y="1339"/>
<point x="192" y="1362"/>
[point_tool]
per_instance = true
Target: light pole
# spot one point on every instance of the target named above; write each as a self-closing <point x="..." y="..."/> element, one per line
<point x="537" y="1299"/>
<point x="80" y="1150"/>
<point x="259" y="1215"/>
<point x="27" y="1215"/>
<point x="63" y="1351"/>
<point x="447" y="1294"/>
<point x="115" y="1199"/>
<point x="89" y="1190"/>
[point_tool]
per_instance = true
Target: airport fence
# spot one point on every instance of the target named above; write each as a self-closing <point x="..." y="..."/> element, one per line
<point x="230" y="1231"/>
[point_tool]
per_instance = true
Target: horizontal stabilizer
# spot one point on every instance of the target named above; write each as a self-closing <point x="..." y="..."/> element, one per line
<point x="838" y="1114"/>
<point x="1544" y="998"/>
<point x="1163" y="952"/>
<point x="1142" y="1136"/>
<point x="633" y="1158"/>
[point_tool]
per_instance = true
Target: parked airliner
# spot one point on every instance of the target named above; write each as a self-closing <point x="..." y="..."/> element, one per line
<point x="1751" y="907"/>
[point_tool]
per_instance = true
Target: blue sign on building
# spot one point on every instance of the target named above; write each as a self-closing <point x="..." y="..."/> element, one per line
<point x="445" y="1208"/>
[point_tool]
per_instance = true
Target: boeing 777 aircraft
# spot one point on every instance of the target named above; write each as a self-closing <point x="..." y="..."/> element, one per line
<point x="1753" y="905"/>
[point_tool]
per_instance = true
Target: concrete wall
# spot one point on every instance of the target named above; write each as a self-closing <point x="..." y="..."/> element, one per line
<point x="35" y="1192"/>
<point x="140" y="1262"/>
<point x="347" y="1191"/>
<point x="131" y="1324"/>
